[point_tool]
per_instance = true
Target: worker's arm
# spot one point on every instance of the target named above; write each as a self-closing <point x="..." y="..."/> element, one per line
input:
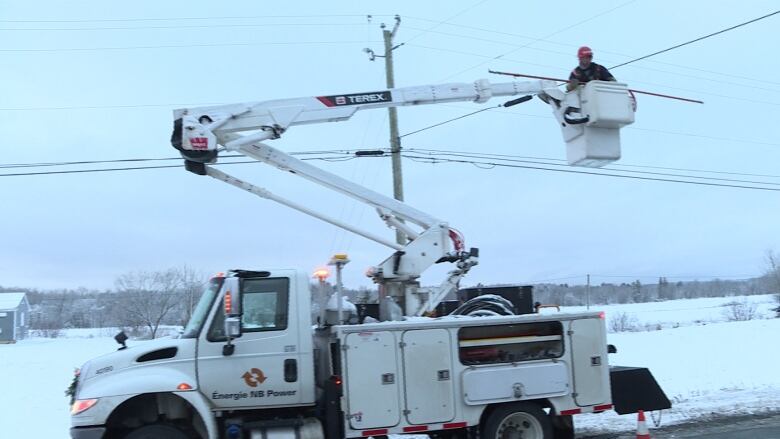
<point x="604" y="75"/>
<point x="574" y="81"/>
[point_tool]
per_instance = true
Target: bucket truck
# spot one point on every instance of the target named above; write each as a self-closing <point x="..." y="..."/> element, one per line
<point x="249" y="364"/>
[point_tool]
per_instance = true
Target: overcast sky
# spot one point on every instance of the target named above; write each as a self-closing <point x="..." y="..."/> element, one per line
<point x="91" y="80"/>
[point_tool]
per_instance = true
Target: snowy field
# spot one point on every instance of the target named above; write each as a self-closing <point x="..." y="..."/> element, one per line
<point x="706" y="364"/>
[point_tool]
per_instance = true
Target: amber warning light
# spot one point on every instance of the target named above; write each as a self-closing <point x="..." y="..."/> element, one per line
<point x="228" y="302"/>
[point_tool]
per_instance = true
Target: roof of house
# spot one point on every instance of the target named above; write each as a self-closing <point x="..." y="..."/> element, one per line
<point x="9" y="301"/>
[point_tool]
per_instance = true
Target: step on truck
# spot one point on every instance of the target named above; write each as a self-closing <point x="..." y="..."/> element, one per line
<point x="250" y="363"/>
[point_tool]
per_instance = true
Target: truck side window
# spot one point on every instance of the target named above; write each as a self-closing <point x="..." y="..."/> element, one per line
<point x="510" y="343"/>
<point x="264" y="307"/>
<point x="264" y="304"/>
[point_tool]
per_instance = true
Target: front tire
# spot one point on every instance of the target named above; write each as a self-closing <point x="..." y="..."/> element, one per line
<point x="520" y="420"/>
<point x="157" y="431"/>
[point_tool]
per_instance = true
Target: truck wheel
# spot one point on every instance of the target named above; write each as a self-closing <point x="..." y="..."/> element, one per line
<point x="520" y="420"/>
<point x="157" y="431"/>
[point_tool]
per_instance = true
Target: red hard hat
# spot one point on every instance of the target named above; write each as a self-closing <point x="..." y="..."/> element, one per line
<point x="584" y="51"/>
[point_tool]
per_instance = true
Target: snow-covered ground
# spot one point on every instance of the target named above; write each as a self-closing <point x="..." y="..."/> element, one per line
<point x="705" y="364"/>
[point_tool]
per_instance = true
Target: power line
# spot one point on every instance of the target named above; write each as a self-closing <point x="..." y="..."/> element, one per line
<point x="546" y="36"/>
<point x="479" y="55"/>
<point x="665" y="174"/>
<point x="136" y="168"/>
<point x="497" y="32"/>
<point x="189" y="26"/>
<point x="448" y="121"/>
<point x="243" y="17"/>
<point x="697" y="39"/>
<point x="180" y="46"/>
<point x="156" y="159"/>
<point x="424" y="31"/>
<point x="571" y="171"/>
<point x="655" y="130"/>
<point x="561" y="162"/>
<point x="568" y="54"/>
<point x="349" y="154"/>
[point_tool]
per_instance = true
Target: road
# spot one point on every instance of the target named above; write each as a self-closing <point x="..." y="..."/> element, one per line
<point x="764" y="426"/>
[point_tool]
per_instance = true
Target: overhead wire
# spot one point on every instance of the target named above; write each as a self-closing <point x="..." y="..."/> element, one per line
<point x="192" y="26"/>
<point x="429" y="159"/>
<point x="431" y="155"/>
<point x="469" y="37"/>
<point x="511" y="34"/>
<point x="593" y="17"/>
<point x="179" y="46"/>
<point x="655" y="130"/>
<point x="424" y="31"/>
<point x="137" y="168"/>
<point x="479" y="55"/>
<point x="155" y="159"/>
<point x="513" y="156"/>
<point x="211" y="18"/>
<point x="697" y="39"/>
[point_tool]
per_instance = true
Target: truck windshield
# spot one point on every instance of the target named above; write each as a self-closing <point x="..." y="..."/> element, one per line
<point x="202" y="310"/>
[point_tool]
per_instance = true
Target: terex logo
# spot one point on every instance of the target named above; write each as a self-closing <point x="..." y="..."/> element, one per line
<point x="356" y="99"/>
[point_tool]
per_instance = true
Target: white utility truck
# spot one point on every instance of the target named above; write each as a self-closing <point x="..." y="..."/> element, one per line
<point x="250" y="364"/>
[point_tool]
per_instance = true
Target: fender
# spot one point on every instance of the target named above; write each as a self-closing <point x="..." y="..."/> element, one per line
<point x="158" y="378"/>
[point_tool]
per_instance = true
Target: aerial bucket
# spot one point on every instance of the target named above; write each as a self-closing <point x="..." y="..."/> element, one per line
<point x="591" y="118"/>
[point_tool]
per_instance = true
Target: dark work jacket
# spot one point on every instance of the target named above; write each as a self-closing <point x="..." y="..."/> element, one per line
<point x="594" y="72"/>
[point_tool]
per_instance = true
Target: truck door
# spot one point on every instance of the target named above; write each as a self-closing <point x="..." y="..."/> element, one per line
<point x="428" y="376"/>
<point x="371" y="377"/>
<point x="265" y="368"/>
<point x="588" y="344"/>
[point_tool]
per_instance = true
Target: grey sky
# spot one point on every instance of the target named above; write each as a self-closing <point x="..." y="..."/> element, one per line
<point x="85" y="229"/>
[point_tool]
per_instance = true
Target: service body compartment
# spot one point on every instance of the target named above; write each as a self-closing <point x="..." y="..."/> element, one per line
<point x="428" y="376"/>
<point x="421" y="374"/>
<point x="371" y="377"/>
<point x="589" y="361"/>
<point x="515" y="382"/>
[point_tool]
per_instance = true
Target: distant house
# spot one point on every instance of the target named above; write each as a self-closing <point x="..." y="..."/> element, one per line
<point x="14" y="317"/>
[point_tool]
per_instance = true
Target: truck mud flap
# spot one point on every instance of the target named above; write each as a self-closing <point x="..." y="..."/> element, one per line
<point x="634" y="389"/>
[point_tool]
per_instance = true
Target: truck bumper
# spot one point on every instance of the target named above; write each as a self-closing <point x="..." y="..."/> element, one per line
<point x="87" y="432"/>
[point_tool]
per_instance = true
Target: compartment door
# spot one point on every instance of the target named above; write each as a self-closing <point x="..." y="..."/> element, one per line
<point x="428" y="376"/>
<point x="588" y="343"/>
<point x="373" y="395"/>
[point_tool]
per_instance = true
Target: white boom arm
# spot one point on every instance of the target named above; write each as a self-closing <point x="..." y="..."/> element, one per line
<point x="199" y="133"/>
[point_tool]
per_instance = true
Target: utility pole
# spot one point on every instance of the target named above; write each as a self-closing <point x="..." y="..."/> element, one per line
<point x="587" y="294"/>
<point x="395" y="140"/>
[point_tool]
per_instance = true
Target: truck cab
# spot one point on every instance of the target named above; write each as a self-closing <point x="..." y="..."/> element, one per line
<point x="181" y="382"/>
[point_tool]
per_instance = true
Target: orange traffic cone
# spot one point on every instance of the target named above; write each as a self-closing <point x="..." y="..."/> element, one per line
<point x="641" y="427"/>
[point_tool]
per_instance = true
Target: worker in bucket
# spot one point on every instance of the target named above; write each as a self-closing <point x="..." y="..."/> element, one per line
<point x="587" y="70"/>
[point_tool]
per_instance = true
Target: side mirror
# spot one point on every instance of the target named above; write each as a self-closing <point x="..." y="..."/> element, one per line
<point x="611" y="349"/>
<point x="121" y="338"/>
<point x="232" y="330"/>
<point x="232" y="326"/>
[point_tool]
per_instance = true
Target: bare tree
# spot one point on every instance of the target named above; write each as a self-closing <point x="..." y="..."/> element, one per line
<point x="146" y="299"/>
<point x="623" y="322"/>
<point x="191" y="287"/>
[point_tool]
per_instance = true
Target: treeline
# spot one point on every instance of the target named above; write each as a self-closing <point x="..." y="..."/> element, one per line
<point x="142" y="302"/>
<point x="664" y="289"/>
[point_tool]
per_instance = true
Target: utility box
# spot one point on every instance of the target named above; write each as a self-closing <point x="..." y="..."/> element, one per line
<point x="521" y="296"/>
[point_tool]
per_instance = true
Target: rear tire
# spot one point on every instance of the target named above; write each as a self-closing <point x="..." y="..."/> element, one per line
<point x="157" y="431"/>
<point x="520" y="420"/>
